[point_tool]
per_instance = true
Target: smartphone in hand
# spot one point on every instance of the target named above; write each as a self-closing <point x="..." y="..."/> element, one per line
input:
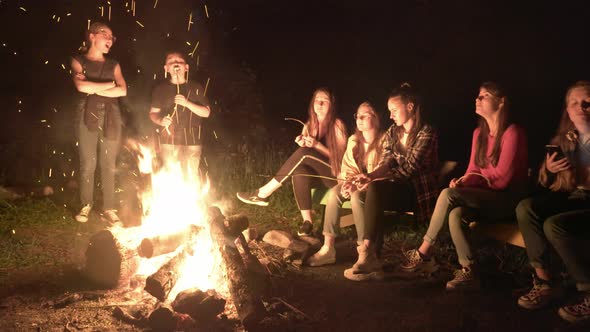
<point x="552" y="148"/>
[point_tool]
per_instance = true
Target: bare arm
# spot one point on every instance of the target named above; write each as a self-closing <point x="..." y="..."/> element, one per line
<point x="202" y="111"/>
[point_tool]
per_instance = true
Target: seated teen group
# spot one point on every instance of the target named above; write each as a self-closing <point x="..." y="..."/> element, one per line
<point x="397" y="170"/>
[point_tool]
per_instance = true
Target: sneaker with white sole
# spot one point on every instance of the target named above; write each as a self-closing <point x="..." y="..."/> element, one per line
<point x="252" y="198"/>
<point x="306" y="229"/>
<point x="326" y="255"/>
<point x="541" y="295"/>
<point x="576" y="313"/>
<point x="465" y="278"/>
<point x="82" y="216"/>
<point x="414" y="262"/>
<point x="367" y="267"/>
<point x="111" y="216"/>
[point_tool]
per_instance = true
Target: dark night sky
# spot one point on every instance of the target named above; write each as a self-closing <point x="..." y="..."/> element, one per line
<point x="359" y="49"/>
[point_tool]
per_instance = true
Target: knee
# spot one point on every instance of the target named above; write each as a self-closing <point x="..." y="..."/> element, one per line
<point x="552" y="229"/>
<point x="455" y="217"/>
<point x="523" y="212"/>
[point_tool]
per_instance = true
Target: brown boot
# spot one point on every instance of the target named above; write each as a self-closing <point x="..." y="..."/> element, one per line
<point x="367" y="267"/>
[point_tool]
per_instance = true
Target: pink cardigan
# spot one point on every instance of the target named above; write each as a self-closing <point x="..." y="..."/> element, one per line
<point x="512" y="167"/>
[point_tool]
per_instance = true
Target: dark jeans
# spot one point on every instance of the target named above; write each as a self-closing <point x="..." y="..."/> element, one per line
<point x="561" y="220"/>
<point x="307" y="168"/>
<point x="381" y="196"/>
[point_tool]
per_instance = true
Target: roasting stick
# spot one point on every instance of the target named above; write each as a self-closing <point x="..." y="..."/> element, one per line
<point x="176" y="69"/>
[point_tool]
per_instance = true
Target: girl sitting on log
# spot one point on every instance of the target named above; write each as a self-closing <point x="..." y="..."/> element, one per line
<point x="362" y="155"/>
<point x="321" y="146"/>
<point x="559" y="217"/>
<point x="493" y="184"/>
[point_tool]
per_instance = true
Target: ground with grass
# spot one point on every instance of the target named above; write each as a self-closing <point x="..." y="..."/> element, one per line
<point x="43" y="253"/>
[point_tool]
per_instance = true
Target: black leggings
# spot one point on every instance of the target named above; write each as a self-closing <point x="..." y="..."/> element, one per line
<point x="382" y="195"/>
<point x="303" y="162"/>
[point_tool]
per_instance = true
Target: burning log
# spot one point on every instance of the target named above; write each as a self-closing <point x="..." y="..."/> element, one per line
<point x="162" y="281"/>
<point x="248" y="304"/>
<point x="163" y="244"/>
<point x="201" y="306"/>
<point x="108" y="264"/>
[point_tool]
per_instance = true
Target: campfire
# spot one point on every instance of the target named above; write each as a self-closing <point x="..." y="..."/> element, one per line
<point x="188" y="256"/>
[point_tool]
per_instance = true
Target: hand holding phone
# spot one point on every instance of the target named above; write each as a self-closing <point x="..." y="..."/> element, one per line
<point x="552" y="148"/>
<point x="555" y="161"/>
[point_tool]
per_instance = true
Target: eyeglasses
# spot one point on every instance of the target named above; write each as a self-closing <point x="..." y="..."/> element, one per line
<point x="107" y="35"/>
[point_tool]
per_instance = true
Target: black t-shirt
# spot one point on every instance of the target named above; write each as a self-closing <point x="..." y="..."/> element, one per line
<point x="186" y="125"/>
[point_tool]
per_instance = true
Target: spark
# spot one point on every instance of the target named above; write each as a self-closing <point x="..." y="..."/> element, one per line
<point x="206" y="11"/>
<point x="88" y="28"/>
<point x="50" y="172"/>
<point x="109" y="12"/>
<point x="101" y="11"/>
<point x="215" y="134"/>
<point x="188" y="43"/>
<point x="133" y="7"/>
<point x="13" y="231"/>
<point x="192" y="54"/>
<point x="58" y="18"/>
<point x="155" y="3"/>
<point x="43" y="121"/>
<point x="63" y="66"/>
<point x="154" y="76"/>
<point x="190" y="21"/>
<point x="206" y="86"/>
<point x="141" y="25"/>
<point x="69" y="14"/>
<point x="23" y="9"/>
<point x="46" y="61"/>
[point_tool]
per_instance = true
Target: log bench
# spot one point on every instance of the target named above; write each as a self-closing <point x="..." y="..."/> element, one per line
<point x="504" y="232"/>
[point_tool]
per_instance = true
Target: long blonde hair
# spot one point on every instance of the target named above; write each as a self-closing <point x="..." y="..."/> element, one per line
<point x="567" y="139"/>
<point x="359" y="154"/>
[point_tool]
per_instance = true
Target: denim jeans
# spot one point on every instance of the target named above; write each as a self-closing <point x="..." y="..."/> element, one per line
<point x="561" y="220"/>
<point x="92" y="145"/>
<point x="455" y="203"/>
<point x="332" y="213"/>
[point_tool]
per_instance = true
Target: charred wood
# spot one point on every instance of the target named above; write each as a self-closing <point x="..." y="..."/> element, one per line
<point x="162" y="281"/>
<point x="248" y="304"/>
<point x="201" y="306"/>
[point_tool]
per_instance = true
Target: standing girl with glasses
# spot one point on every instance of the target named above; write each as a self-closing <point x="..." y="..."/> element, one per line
<point x="99" y="83"/>
<point x="362" y="155"/>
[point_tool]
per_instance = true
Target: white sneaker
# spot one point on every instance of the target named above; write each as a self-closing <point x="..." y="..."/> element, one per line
<point x="82" y="216"/>
<point x="111" y="216"/>
<point x="326" y="255"/>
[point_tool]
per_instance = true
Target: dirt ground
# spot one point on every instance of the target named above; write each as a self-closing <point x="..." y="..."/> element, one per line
<point x="301" y="298"/>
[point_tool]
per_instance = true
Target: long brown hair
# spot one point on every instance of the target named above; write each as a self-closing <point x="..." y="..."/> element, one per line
<point x="567" y="139"/>
<point x="481" y="146"/>
<point x="408" y="95"/>
<point x="332" y="124"/>
<point x="358" y="151"/>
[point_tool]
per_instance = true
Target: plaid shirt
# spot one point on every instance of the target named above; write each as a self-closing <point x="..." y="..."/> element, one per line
<point x="417" y="164"/>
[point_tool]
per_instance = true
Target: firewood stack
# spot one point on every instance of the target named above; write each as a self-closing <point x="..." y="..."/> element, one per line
<point x="107" y="262"/>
